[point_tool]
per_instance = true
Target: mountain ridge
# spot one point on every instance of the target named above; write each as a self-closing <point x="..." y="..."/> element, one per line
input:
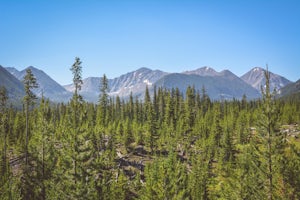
<point x="290" y="89"/>
<point x="222" y="84"/>
<point x="135" y="81"/>
<point x="48" y="87"/>
<point x="255" y="77"/>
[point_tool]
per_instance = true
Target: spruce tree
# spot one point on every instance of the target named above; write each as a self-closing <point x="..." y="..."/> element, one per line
<point x="5" y="175"/>
<point x="3" y="131"/>
<point x="30" y="83"/>
<point x="77" y="77"/>
<point x="103" y="101"/>
<point x="151" y="122"/>
<point x="42" y="149"/>
<point x="75" y="112"/>
<point x="271" y="148"/>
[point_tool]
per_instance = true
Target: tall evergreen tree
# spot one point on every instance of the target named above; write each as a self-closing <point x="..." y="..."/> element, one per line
<point x="103" y="101"/>
<point x="272" y="140"/>
<point x="77" y="76"/>
<point x="190" y="106"/>
<point x="43" y="151"/>
<point x="3" y="130"/>
<point x="5" y="175"/>
<point x="75" y="116"/>
<point x="30" y="83"/>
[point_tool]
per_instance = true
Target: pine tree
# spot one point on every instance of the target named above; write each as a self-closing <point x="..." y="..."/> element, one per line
<point x="131" y="107"/>
<point x="246" y="180"/>
<point x="77" y="77"/>
<point x="190" y="107"/>
<point x="5" y="175"/>
<point x="201" y="149"/>
<point x="3" y="131"/>
<point x="166" y="178"/>
<point x="128" y="137"/>
<point x="205" y="101"/>
<point x="199" y="177"/>
<point x="103" y="101"/>
<point x="42" y="149"/>
<point x="152" y="130"/>
<point x="30" y="83"/>
<point x="151" y="122"/>
<point x="272" y="147"/>
<point x="76" y="104"/>
<point x="243" y="127"/>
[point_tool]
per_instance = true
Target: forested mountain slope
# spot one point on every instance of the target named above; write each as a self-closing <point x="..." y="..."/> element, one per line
<point x="290" y="89"/>
<point x="13" y="86"/>
<point x="171" y="145"/>
<point x="47" y="86"/>
<point x="223" y="86"/>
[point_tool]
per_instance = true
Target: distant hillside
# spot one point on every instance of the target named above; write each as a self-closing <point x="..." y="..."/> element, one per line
<point x="13" y="86"/>
<point x="224" y="85"/>
<point x="89" y="89"/>
<point x="290" y="89"/>
<point x="47" y="86"/>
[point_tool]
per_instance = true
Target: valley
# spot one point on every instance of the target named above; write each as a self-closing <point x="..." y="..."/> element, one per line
<point x="168" y="142"/>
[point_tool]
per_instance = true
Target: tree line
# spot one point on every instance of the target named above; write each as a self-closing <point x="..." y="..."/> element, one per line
<point x="169" y="145"/>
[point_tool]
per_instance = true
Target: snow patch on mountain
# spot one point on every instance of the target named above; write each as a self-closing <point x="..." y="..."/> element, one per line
<point x="147" y="82"/>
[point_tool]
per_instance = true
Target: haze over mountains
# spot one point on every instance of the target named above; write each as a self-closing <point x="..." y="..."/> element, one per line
<point x="218" y="85"/>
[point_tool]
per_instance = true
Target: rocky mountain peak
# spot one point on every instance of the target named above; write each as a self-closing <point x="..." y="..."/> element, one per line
<point x="256" y="78"/>
<point x="203" y="71"/>
<point x="257" y="69"/>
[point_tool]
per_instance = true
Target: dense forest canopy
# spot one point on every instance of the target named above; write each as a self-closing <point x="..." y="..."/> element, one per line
<point x="167" y="146"/>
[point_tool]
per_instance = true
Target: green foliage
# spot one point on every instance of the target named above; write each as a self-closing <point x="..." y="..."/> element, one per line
<point x="165" y="179"/>
<point x="30" y="83"/>
<point x="168" y="146"/>
<point x="77" y="75"/>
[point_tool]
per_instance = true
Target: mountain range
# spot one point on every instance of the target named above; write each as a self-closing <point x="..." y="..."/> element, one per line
<point x="47" y="86"/>
<point x="219" y="85"/>
<point x="122" y="86"/>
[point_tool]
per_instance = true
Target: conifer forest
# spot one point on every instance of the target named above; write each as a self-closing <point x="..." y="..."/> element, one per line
<point x="168" y="145"/>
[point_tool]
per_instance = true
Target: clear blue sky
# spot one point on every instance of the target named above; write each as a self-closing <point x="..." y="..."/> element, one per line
<point x="115" y="37"/>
